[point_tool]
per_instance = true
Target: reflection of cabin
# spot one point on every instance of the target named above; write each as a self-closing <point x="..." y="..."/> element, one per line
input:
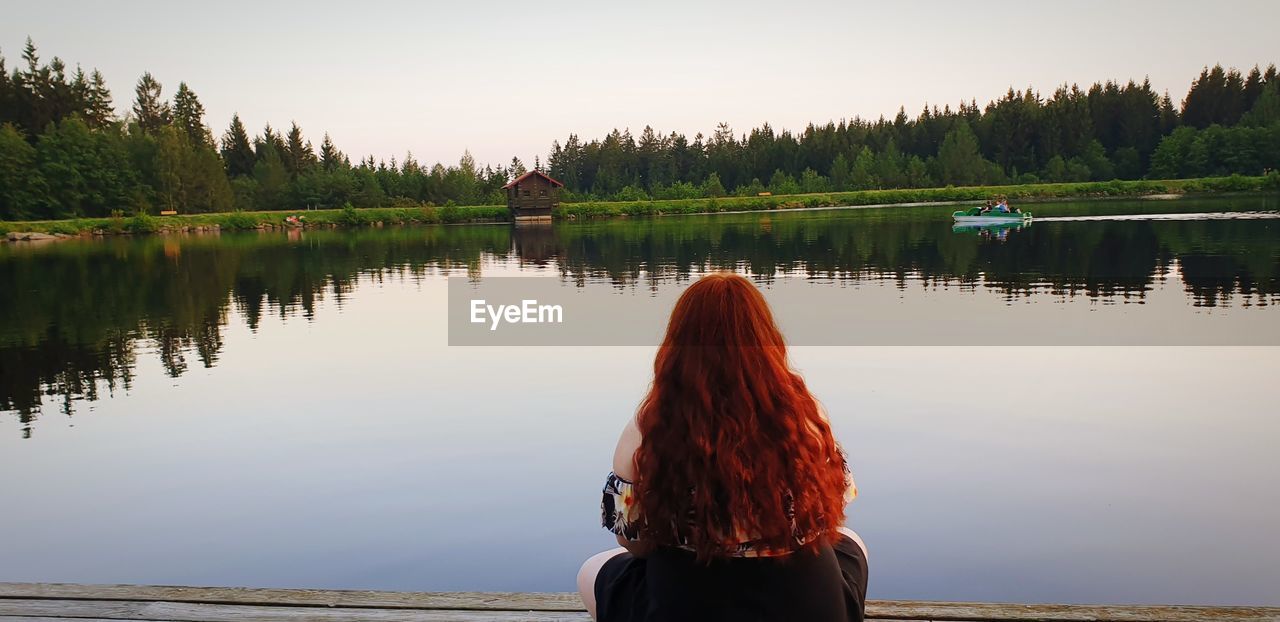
<point x="536" y="242"/>
<point x="532" y="196"/>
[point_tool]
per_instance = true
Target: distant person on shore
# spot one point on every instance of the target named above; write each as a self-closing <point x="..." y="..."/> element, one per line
<point x="728" y="489"/>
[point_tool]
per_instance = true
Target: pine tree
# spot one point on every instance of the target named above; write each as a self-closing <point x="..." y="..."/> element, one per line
<point x="1252" y="87"/>
<point x="517" y="168"/>
<point x="889" y="164"/>
<point x="99" y="110"/>
<point x="330" y="157"/>
<point x="299" y="155"/>
<point x="1217" y="96"/>
<point x="188" y="116"/>
<point x="273" y="179"/>
<point x="840" y="173"/>
<point x="959" y="162"/>
<point x="7" y="94"/>
<point x="237" y="153"/>
<point x="917" y="173"/>
<point x="80" y="92"/>
<point x="1169" y="118"/>
<point x="1266" y="109"/>
<point x="862" y="177"/>
<point x="269" y="142"/>
<point x="150" y="111"/>
<point x="33" y="102"/>
<point x="23" y="192"/>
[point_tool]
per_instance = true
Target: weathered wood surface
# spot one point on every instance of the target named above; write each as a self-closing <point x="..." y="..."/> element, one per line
<point x="46" y="602"/>
<point x="315" y="598"/>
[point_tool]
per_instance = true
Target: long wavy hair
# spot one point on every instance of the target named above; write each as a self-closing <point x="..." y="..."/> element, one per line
<point x="733" y="447"/>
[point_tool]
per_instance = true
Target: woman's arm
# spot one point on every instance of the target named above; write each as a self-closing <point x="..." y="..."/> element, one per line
<point x="624" y="455"/>
<point x="624" y="466"/>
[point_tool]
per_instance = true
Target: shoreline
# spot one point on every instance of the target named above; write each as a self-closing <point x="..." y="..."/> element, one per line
<point x="349" y="217"/>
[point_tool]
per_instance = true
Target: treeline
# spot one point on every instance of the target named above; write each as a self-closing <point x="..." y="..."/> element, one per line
<point x="1227" y="124"/>
<point x="66" y="153"/>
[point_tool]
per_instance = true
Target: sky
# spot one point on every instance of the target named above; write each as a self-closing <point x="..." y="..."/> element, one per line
<point x="505" y="78"/>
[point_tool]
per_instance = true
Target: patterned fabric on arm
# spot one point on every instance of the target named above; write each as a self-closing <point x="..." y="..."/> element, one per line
<point x="850" y="487"/>
<point x="619" y="512"/>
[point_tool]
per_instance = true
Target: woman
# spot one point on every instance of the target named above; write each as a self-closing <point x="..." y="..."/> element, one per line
<point x="728" y="490"/>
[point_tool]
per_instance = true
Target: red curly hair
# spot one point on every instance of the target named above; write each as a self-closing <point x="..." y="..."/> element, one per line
<point x="733" y="445"/>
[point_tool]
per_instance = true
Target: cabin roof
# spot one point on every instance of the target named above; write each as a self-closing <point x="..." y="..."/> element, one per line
<point x="530" y="173"/>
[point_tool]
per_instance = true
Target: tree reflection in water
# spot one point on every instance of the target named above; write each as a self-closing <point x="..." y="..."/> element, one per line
<point x="75" y="314"/>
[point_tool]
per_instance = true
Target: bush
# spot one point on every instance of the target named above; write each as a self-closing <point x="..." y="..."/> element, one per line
<point x="449" y="214"/>
<point x="66" y="227"/>
<point x="141" y="223"/>
<point x="631" y="193"/>
<point x="115" y="224"/>
<point x="350" y="217"/>
<point x="239" y="221"/>
<point x="1234" y="183"/>
<point x="1271" y="181"/>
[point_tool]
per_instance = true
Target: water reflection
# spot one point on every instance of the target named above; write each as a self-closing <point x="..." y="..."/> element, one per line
<point x="998" y="232"/>
<point x="75" y="314"/>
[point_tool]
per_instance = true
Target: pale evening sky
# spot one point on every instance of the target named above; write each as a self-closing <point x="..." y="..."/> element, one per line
<point x="504" y="78"/>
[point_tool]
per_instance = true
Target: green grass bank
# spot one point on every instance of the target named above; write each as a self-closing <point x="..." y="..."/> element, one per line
<point x="1015" y="193"/>
<point x="247" y="221"/>
<point x="382" y="216"/>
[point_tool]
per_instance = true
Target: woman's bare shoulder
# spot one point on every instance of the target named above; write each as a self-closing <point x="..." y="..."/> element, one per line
<point x="624" y="457"/>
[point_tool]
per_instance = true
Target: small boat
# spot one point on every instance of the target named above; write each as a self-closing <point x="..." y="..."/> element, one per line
<point x="974" y="217"/>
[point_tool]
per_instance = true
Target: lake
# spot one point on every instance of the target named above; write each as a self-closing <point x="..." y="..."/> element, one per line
<point x="285" y="410"/>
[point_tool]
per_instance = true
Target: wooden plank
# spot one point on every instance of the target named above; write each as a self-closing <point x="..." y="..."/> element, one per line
<point x="43" y="619"/>
<point x="511" y="601"/>
<point x="943" y="611"/>
<point x="475" y="603"/>
<point x="204" y="612"/>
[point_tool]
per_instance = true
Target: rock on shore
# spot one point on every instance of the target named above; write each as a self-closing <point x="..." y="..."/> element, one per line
<point x="32" y="236"/>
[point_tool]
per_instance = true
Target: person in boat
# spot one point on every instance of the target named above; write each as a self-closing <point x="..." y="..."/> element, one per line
<point x="698" y="544"/>
<point x="1002" y="206"/>
<point x="985" y="208"/>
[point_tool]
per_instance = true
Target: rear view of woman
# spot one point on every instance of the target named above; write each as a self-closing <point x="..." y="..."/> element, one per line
<point x="728" y="489"/>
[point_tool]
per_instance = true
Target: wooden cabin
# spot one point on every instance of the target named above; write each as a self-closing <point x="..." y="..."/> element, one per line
<point x="532" y="196"/>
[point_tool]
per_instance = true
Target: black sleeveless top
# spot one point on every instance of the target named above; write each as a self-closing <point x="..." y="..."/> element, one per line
<point x="671" y="585"/>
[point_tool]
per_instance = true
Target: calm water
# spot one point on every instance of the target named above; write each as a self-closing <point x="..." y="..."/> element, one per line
<point x="283" y="410"/>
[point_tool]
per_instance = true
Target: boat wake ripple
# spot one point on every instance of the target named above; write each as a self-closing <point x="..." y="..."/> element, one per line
<point x="1254" y="215"/>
